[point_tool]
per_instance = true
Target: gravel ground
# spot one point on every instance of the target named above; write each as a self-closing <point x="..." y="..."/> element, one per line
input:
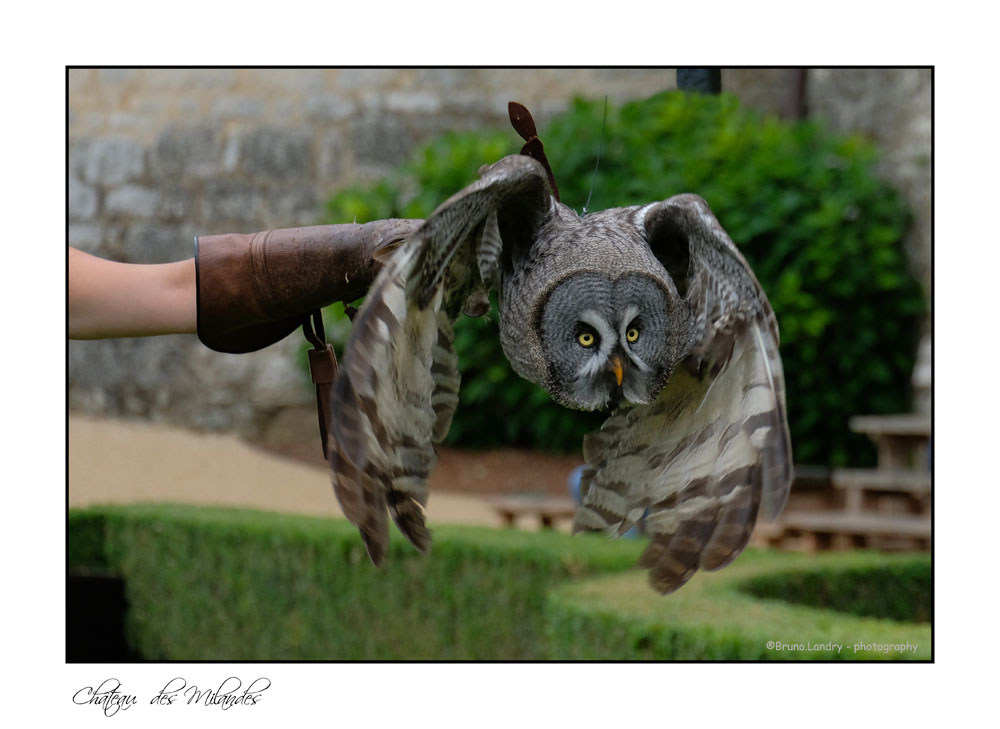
<point x="125" y="461"/>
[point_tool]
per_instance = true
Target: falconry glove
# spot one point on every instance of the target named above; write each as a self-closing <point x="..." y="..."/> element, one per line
<point x="255" y="289"/>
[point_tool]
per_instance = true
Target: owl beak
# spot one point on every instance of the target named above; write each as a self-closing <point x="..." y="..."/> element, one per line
<point x="615" y="365"/>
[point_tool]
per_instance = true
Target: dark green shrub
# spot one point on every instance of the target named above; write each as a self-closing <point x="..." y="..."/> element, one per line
<point x="900" y="592"/>
<point x="86" y="551"/>
<point x="820" y="230"/>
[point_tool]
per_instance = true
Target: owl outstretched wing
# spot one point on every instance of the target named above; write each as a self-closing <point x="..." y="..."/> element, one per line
<point x="713" y="449"/>
<point x="397" y="388"/>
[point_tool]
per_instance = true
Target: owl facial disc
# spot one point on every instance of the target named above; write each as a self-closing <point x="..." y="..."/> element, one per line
<point x="605" y="340"/>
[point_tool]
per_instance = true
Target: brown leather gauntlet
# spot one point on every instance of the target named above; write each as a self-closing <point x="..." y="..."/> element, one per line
<point x="255" y="289"/>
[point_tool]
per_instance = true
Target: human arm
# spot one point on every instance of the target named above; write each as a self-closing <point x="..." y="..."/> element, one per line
<point x="110" y="299"/>
<point x="241" y="292"/>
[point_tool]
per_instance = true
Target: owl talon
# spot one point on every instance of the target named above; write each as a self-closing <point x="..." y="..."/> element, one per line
<point x="477" y="304"/>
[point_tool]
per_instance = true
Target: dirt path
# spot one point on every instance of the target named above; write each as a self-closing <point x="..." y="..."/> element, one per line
<point x="118" y="461"/>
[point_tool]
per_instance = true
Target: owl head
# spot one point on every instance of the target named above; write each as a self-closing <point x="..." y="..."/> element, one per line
<point x="606" y="321"/>
<point x="606" y="339"/>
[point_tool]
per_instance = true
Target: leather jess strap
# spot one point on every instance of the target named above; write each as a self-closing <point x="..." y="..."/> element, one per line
<point x="323" y="370"/>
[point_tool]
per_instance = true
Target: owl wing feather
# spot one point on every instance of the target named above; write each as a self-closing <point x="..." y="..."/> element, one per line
<point x="397" y="387"/>
<point x="713" y="448"/>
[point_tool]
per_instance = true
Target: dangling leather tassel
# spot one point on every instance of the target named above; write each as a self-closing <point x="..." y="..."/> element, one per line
<point x="323" y="370"/>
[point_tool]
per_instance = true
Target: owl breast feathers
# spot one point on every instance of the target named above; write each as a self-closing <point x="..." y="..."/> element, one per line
<point x="649" y="312"/>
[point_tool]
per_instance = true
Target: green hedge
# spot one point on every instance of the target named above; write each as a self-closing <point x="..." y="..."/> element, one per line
<point x="246" y="585"/>
<point x="821" y="231"/>
<point x="222" y="584"/>
<point x="716" y="616"/>
<point x="896" y="591"/>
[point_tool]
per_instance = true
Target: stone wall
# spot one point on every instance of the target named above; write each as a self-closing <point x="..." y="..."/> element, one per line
<point x="157" y="156"/>
<point x="893" y="108"/>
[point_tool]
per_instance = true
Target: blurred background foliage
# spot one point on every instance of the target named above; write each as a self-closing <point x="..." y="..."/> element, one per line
<point x="821" y="231"/>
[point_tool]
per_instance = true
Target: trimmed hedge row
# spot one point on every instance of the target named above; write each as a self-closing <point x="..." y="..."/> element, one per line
<point x="896" y="591"/>
<point x="718" y="616"/>
<point x="224" y="584"/>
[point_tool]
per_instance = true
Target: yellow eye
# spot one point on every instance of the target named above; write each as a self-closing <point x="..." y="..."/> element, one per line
<point x="586" y="339"/>
<point x="632" y="334"/>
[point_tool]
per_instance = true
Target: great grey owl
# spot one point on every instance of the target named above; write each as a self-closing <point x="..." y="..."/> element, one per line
<point x="648" y="311"/>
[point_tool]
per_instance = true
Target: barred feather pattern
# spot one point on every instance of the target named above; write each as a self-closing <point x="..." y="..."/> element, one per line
<point x="395" y="394"/>
<point x="397" y="388"/>
<point x="713" y="451"/>
<point x="696" y="464"/>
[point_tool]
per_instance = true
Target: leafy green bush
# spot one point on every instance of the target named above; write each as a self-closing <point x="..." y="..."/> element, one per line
<point x="226" y="584"/>
<point x="821" y="231"/>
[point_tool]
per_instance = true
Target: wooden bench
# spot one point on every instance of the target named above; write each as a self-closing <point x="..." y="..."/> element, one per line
<point x="883" y="490"/>
<point x="882" y="479"/>
<point x="901" y="440"/>
<point x="877" y="509"/>
<point x="838" y="530"/>
<point x="888" y="507"/>
<point x="548" y="509"/>
<point x="894" y="525"/>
